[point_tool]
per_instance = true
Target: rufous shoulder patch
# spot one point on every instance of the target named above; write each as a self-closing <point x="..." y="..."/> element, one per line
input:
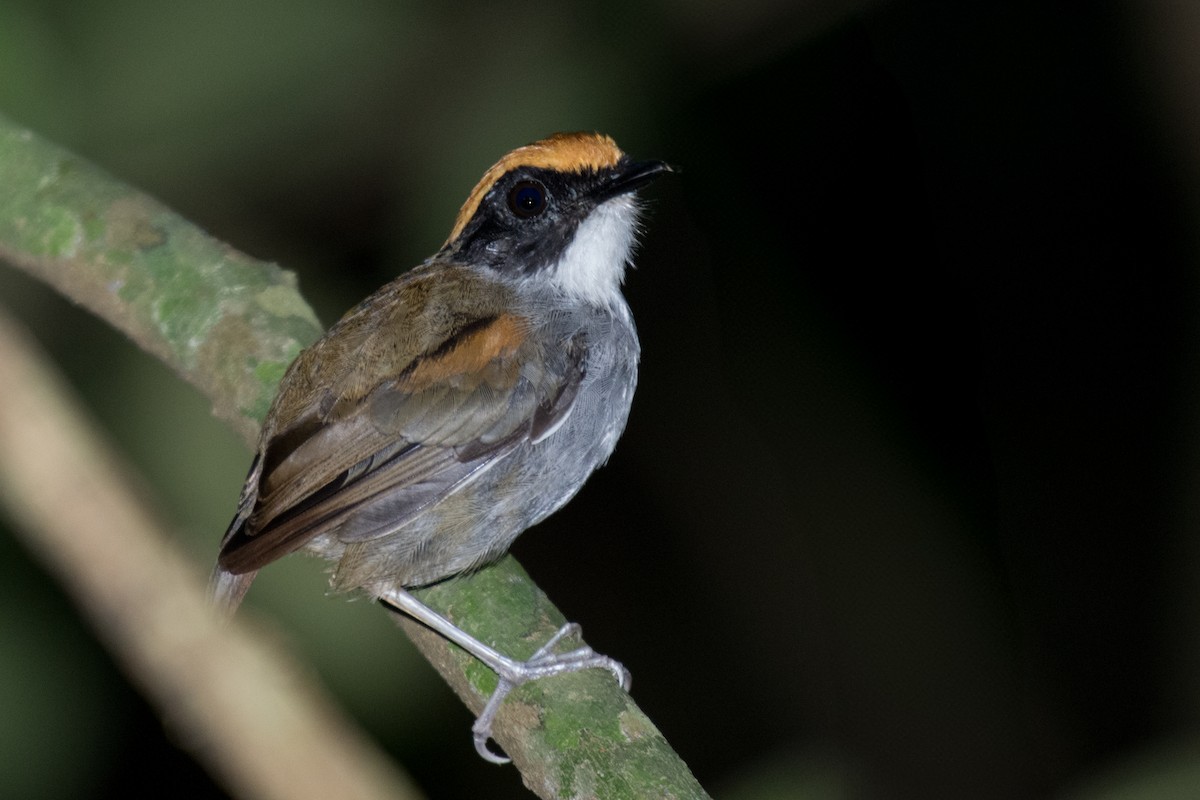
<point x="563" y="152"/>
<point x="469" y="357"/>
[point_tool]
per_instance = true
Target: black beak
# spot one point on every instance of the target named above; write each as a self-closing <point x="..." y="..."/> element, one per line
<point x="630" y="176"/>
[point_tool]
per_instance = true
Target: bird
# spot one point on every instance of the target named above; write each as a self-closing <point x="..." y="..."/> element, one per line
<point x="461" y="403"/>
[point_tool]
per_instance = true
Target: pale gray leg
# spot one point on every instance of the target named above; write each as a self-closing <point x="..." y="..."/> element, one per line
<point x="512" y="673"/>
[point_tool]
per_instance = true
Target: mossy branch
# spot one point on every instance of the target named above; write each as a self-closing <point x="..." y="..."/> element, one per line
<point x="229" y="325"/>
<point x="225" y="322"/>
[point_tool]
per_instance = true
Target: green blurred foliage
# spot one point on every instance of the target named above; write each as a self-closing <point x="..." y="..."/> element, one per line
<point x="1170" y="770"/>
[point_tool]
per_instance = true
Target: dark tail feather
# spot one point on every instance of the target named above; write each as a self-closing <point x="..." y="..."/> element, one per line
<point x="227" y="589"/>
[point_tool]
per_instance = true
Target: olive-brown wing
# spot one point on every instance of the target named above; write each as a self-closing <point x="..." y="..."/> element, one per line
<point x="369" y="456"/>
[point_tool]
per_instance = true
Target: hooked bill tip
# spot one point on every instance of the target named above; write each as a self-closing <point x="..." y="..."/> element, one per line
<point x="635" y="175"/>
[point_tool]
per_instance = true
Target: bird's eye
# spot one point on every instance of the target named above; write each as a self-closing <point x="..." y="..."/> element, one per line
<point x="527" y="199"/>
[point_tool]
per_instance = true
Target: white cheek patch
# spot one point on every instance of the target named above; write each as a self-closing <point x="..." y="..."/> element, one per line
<point x="593" y="265"/>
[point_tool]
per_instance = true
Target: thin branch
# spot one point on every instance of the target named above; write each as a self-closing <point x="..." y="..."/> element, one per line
<point x="229" y="325"/>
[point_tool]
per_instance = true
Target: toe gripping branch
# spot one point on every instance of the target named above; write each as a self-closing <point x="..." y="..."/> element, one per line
<point x="512" y="673"/>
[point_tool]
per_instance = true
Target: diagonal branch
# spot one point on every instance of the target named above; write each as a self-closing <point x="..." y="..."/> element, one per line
<point x="229" y="325"/>
<point x="226" y="323"/>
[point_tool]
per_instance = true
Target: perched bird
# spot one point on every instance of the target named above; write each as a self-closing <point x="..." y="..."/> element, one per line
<point x="461" y="403"/>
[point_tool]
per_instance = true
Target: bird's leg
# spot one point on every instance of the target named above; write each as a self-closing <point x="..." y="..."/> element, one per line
<point x="512" y="673"/>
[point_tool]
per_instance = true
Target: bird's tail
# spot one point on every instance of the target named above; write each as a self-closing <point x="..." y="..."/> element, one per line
<point x="228" y="589"/>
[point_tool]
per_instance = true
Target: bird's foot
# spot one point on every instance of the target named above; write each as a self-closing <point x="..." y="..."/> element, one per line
<point x="542" y="664"/>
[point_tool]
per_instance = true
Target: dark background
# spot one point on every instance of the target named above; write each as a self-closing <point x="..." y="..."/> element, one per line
<point x="907" y="506"/>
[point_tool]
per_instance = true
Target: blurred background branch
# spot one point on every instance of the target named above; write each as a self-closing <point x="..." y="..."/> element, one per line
<point x="228" y="692"/>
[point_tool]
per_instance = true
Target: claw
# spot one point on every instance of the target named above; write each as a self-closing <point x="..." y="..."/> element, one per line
<point x="482" y="729"/>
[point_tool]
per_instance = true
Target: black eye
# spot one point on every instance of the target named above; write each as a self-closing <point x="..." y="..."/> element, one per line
<point x="527" y="199"/>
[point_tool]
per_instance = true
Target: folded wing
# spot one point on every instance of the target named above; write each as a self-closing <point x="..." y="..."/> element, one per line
<point x="371" y="447"/>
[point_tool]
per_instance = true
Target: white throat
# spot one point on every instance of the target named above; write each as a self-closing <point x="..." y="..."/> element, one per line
<point x="593" y="265"/>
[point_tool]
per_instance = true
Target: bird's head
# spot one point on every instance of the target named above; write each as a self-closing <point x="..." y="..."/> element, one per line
<point x="561" y="210"/>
